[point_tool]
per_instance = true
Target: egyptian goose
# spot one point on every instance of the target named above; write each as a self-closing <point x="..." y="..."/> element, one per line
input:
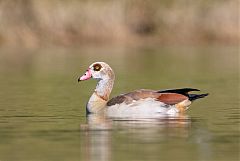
<point x="137" y="103"/>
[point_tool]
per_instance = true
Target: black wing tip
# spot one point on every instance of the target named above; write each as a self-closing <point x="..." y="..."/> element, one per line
<point x="205" y="94"/>
<point x="179" y="90"/>
<point x="193" y="97"/>
<point x="188" y="89"/>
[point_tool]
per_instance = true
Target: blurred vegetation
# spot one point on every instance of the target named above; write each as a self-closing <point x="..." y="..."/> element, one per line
<point x="33" y="23"/>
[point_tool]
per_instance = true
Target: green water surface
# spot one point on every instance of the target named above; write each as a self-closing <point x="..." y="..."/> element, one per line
<point x="42" y="106"/>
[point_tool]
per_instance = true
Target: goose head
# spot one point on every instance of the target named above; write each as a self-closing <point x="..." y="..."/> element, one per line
<point x="99" y="71"/>
<point x="104" y="74"/>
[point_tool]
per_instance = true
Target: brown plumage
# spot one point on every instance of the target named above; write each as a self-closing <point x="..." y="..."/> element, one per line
<point x="169" y="97"/>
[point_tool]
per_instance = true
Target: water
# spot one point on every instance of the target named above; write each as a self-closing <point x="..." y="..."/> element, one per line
<point x="42" y="107"/>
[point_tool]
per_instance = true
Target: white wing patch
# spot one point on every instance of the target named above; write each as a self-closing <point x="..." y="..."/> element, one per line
<point x="143" y="108"/>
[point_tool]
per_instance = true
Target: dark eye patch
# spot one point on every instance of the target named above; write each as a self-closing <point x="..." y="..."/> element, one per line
<point x="97" y="67"/>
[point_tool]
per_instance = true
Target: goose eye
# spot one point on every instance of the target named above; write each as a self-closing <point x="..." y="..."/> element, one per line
<point x="97" y="67"/>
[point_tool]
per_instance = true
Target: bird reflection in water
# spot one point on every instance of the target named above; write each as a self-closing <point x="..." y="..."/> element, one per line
<point x="97" y="133"/>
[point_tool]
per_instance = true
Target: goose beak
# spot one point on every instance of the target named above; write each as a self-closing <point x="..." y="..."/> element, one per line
<point x="86" y="76"/>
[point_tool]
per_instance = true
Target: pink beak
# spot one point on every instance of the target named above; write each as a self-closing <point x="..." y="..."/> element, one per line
<point x="86" y="76"/>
